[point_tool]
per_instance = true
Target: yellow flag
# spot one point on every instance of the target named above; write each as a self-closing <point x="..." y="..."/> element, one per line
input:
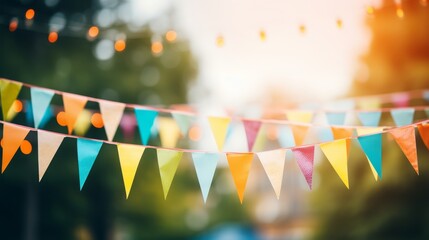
<point x="368" y="130"/>
<point x="169" y="132"/>
<point x="129" y="158"/>
<point x="299" y="116"/>
<point x="336" y="153"/>
<point x="219" y="127"/>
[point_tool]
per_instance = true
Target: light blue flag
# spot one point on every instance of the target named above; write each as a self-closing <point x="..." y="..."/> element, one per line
<point x="184" y="121"/>
<point x="285" y="136"/>
<point x="40" y="100"/>
<point x="403" y="116"/>
<point x="336" y="118"/>
<point x="371" y="145"/>
<point x="205" y="166"/>
<point x="324" y="134"/>
<point x="87" y="151"/>
<point x="29" y="115"/>
<point x="370" y="119"/>
<point x="145" y="119"/>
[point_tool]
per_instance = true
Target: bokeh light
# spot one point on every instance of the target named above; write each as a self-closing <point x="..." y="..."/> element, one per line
<point x="17" y="106"/>
<point x="26" y="147"/>
<point x="62" y="119"/>
<point x="339" y="23"/>
<point x="302" y="29"/>
<point x="195" y="133"/>
<point x="171" y="36"/>
<point x="29" y="14"/>
<point x="53" y="37"/>
<point x="220" y="41"/>
<point x="93" y="32"/>
<point x="120" y="45"/>
<point x="157" y="47"/>
<point x="13" y="25"/>
<point x="97" y="120"/>
<point x="400" y="12"/>
<point x="262" y="35"/>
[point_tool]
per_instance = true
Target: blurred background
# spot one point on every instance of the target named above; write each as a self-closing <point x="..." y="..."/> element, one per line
<point x="217" y="56"/>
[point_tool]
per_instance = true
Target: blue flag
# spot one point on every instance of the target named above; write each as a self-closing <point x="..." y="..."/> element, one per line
<point x="145" y="119"/>
<point x="403" y="116"/>
<point x="40" y="100"/>
<point x="87" y="151"/>
<point x="285" y="136"/>
<point x="372" y="147"/>
<point x="336" y="118"/>
<point x="205" y="166"/>
<point x="30" y="118"/>
<point x="370" y="119"/>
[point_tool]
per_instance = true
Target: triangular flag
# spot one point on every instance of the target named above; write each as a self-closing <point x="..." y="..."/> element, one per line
<point x="48" y="144"/>
<point x="205" y="166"/>
<point x="336" y="153"/>
<point x="169" y="132"/>
<point x="285" y="136"/>
<point x="299" y="133"/>
<point x="83" y="123"/>
<point x="40" y="100"/>
<point x="372" y="147"/>
<point x="168" y="161"/>
<point x="361" y="131"/>
<point x="402" y="116"/>
<point x="73" y="106"/>
<point x="273" y="163"/>
<point x="370" y="119"/>
<point x="13" y="136"/>
<point x="239" y="164"/>
<point x="219" y="127"/>
<point x="424" y="133"/>
<point x="145" y="119"/>
<point x="336" y="118"/>
<point x="341" y="133"/>
<point x="87" y="151"/>
<point x="304" y="156"/>
<point x="299" y="116"/>
<point x="406" y="139"/>
<point x="184" y="121"/>
<point x="252" y="129"/>
<point x="111" y="112"/>
<point x="9" y="93"/>
<point x="129" y="158"/>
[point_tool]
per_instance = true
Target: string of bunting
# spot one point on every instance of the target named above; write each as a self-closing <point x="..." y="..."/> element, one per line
<point x="205" y="162"/>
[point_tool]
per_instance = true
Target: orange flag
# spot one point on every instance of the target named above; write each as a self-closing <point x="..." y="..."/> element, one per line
<point x="406" y="139"/>
<point x="12" y="139"/>
<point x="73" y="106"/>
<point x="239" y="164"/>
<point x="299" y="133"/>
<point x="424" y="133"/>
<point x="341" y="133"/>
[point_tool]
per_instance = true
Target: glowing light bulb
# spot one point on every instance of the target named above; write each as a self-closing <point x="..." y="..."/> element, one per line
<point x="93" y="32"/>
<point x="339" y="23"/>
<point x="62" y="119"/>
<point x="53" y="37"/>
<point x="17" y="106"/>
<point x="302" y="29"/>
<point x="13" y="25"/>
<point x="370" y="10"/>
<point x="120" y="45"/>
<point x="220" y="41"/>
<point x="171" y="36"/>
<point x="26" y="147"/>
<point x="262" y="35"/>
<point x="157" y="47"/>
<point x="400" y="12"/>
<point x="97" y="120"/>
<point x="29" y="14"/>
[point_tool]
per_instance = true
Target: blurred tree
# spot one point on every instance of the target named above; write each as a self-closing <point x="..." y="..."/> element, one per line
<point x="394" y="207"/>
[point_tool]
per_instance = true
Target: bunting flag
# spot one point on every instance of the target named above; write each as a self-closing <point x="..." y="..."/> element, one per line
<point x="424" y="133"/>
<point x="304" y="156"/>
<point x="341" y="133"/>
<point x="111" y="113"/>
<point x="48" y="144"/>
<point x="73" y="106"/>
<point x="336" y="118"/>
<point x="252" y="129"/>
<point x="83" y="123"/>
<point x="40" y="100"/>
<point x="286" y="137"/>
<point x="239" y="164"/>
<point x="368" y="130"/>
<point x="299" y="116"/>
<point x="273" y="163"/>
<point x="9" y="93"/>
<point x="372" y="147"/>
<point x="219" y="127"/>
<point x="370" y="119"/>
<point x="129" y="159"/>
<point x="205" y="166"/>
<point x="30" y="117"/>
<point x="145" y="119"/>
<point x="168" y="161"/>
<point x="87" y="151"/>
<point x="336" y="153"/>
<point x="324" y="134"/>
<point x="299" y="134"/>
<point x="169" y="132"/>
<point x="184" y="121"/>
<point x="13" y="136"/>
<point x="402" y="116"/>
<point x="405" y="137"/>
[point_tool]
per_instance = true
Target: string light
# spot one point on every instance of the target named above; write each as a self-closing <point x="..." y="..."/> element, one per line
<point x="171" y="36"/>
<point x="220" y="41"/>
<point x="13" y="25"/>
<point x="157" y="47"/>
<point x="53" y="37"/>
<point x="26" y="147"/>
<point x="339" y="23"/>
<point x="93" y="32"/>
<point x="262" y="35"/>
<point x="302" y="29"/>
<point x="29" y="14"/>
<point x="120" y="45"/>
<point x="97" y="120"/>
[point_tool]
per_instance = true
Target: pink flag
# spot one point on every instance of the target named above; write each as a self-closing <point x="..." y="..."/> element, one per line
<point x="252" y="129"/>
<point x="304" y="156"/>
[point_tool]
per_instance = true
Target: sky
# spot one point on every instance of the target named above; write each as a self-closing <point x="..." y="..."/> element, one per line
<point x="317" y="65"/>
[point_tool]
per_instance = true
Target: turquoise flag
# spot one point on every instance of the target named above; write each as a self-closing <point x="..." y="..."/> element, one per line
<point x="336" y="118"/>
<point x="205" y="166"/>
<point x="285" y="137"/>
<point x="324" y="134"/>
<point x="372" y="147"/>
<point x="370" y="119"/>
<point x="29" y="115"/>
<point x="40" y="100"/>
<point x="145" y="119"/>
<point x="184" y="121"/>
<point x="403" y="116"/>
<point x="87" y="151"/>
